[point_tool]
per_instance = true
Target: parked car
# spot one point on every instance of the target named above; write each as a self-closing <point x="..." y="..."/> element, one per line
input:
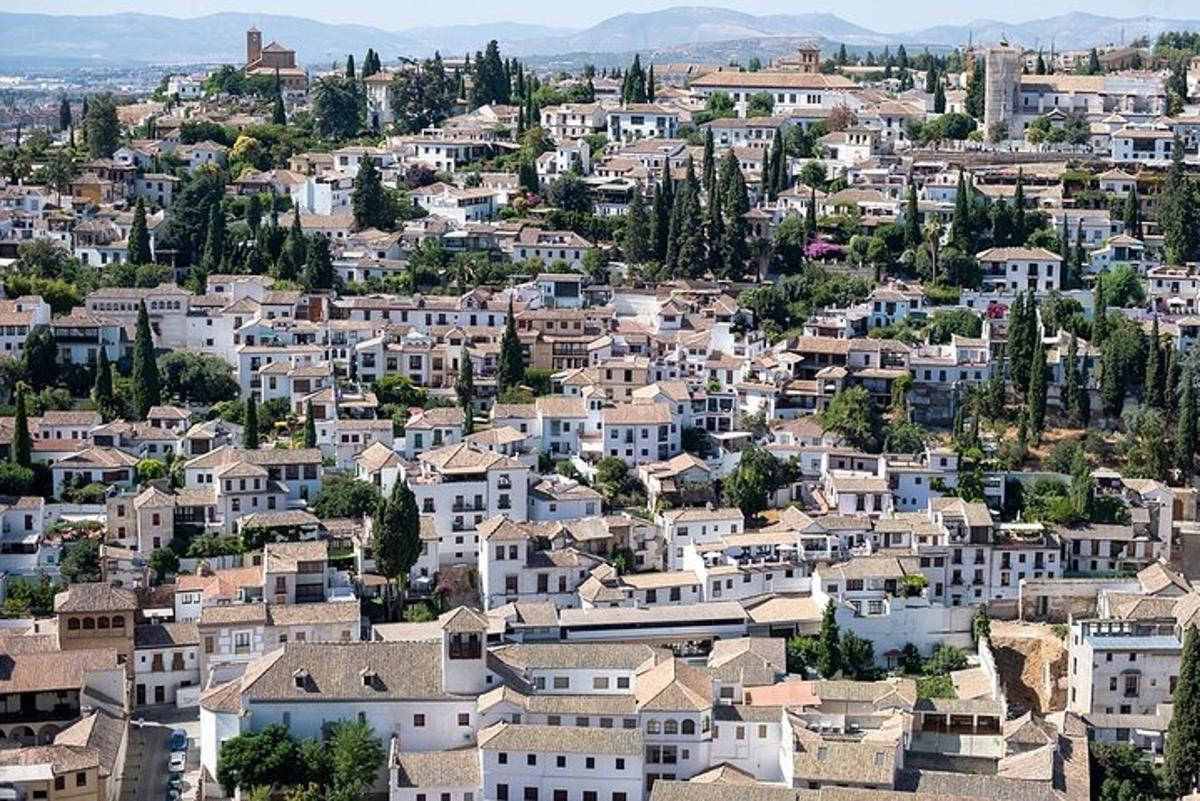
<point x="179" y="740"/>
<point x="178" y="762"/>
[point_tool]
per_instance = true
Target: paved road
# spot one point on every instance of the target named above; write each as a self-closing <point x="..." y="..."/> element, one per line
<point x="149" y="751"/>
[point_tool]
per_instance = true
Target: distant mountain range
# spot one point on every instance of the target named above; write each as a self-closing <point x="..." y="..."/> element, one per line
<point x="41" y="39"/>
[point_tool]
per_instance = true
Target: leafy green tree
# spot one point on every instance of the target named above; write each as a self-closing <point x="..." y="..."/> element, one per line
<point x="491" y="83"/>
<point x="81" y="562"/>
<point x="858" y="657"/>
<point x="339" y="107"/>
<point x="139" y="236"/>
<point x="357" y="755"/>
<point x="510" y="366"/>
<point x="263" y="759"/>
<point x="369" y="201"/>
<point x="829" y="658"/>
<point x="39" y="359"/>
<point x="853" y="417"/>
<point x="423" y="97"/>
<point x="250" y="426"/>
<point x="465" y="388"/>
<point x="1182" y="758"/>
<point x="802" y="652"/>
<point x="22" y="443"/>
<point x="147" y="391"/>
<point x="746" y="489"/>
<point x="101" y="127"/>
<point x="164" y="562"/>
<point x="346" y="498"/>
<point x="199" y="378"/>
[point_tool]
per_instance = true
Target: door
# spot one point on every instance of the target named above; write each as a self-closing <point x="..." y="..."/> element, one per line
<point x="141" y="694"/>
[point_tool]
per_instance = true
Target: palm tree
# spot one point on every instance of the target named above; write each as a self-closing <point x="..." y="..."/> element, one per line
<point x="14" y="164"/>
<point x="58" y="172"/>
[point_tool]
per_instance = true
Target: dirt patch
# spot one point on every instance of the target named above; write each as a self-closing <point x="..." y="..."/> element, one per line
<point x="1032" y="662"/>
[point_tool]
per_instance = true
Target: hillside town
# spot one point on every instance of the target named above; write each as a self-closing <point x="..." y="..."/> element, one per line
<point x="817" y="428"/>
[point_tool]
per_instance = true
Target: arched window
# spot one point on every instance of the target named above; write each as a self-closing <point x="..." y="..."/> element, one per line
<point x="89" y="623"/>
<point x="652" y="727"/>
<point x="671" y="726"/>
<point x="72" y="624"/>
<point x="118" y="622"/>
<point x="689" y="726"/>
<point x="102" y="622"/>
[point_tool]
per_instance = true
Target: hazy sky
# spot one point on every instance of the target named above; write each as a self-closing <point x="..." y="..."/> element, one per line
<point x="880" y="15"/>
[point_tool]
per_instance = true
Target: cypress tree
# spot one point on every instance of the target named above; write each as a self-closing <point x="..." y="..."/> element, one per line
<point x="810" y="217"/>
<point x="22" y="443"/>
<point x="510" y="367"/>
<point x="294" y="252"/>
<point x="1112" y="388"/>
<point x="1037" y="389"/>
<point x="139" y="236"/>
<point x="960" y="220"/>
<point x="254" y="213"/>
<point x="146" y="389"/>
<point x="278" y="112"/>
<point x="310" y="426"/>
<point x="1182" y="758"/>
<point x="1172" y="383"/>
<point x="1070" y="399"/>
<point x="369" y="200"/>
<point x="1152" y="393"/>
<point x="102" y="387"/>
<point x="664" y="200"/>
<point x="912" y="219"/>
<point x="250" y="424"/>
<point x="350" y="67"/>
<point x="939" y="97"/>
<point x="465" y="387"/>
<point x="64" y="114"/>
<point x="318" y="268"/>
<point x="1019" y="231"/>
<point x="1019" y="341"/>
<point x="1080" y="254"/>
<point x="1132" y="214"/>
<point x="1099" y="312"/>
<point x="1177" y="212"/>
<point x="734" y="250"/>
<point x="636" y="236"/>
<point x="1185" y="444"/>
<point x="214" y="243"/>
<point x="651" y="89"/>
<point x="709" y="164"/>
<point x="829" y="654"/>
<point x="1083" y="492"/>
<point x="714" y="230"/>
<point x="683" y="232"/>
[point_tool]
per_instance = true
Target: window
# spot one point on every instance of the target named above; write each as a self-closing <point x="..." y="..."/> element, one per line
<point x="590" y="763"/>
<point x="464" y="718"/>
<point x="418" y="721"/>
<point x="560" y="761"/>
<point x="600" y="683"/>
<point x="502" y="791"/>
<point x="622" y="682"/>
<point x="562" y="682"/>
<point x="531" y="759"/>
<point x="81" y="779"/>
<point x="502" y="757"/>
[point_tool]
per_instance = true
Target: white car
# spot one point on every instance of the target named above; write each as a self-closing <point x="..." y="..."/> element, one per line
<point x="178" y="763"/>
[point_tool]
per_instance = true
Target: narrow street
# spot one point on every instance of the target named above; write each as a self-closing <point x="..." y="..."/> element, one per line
<point x="149" y="751"/>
